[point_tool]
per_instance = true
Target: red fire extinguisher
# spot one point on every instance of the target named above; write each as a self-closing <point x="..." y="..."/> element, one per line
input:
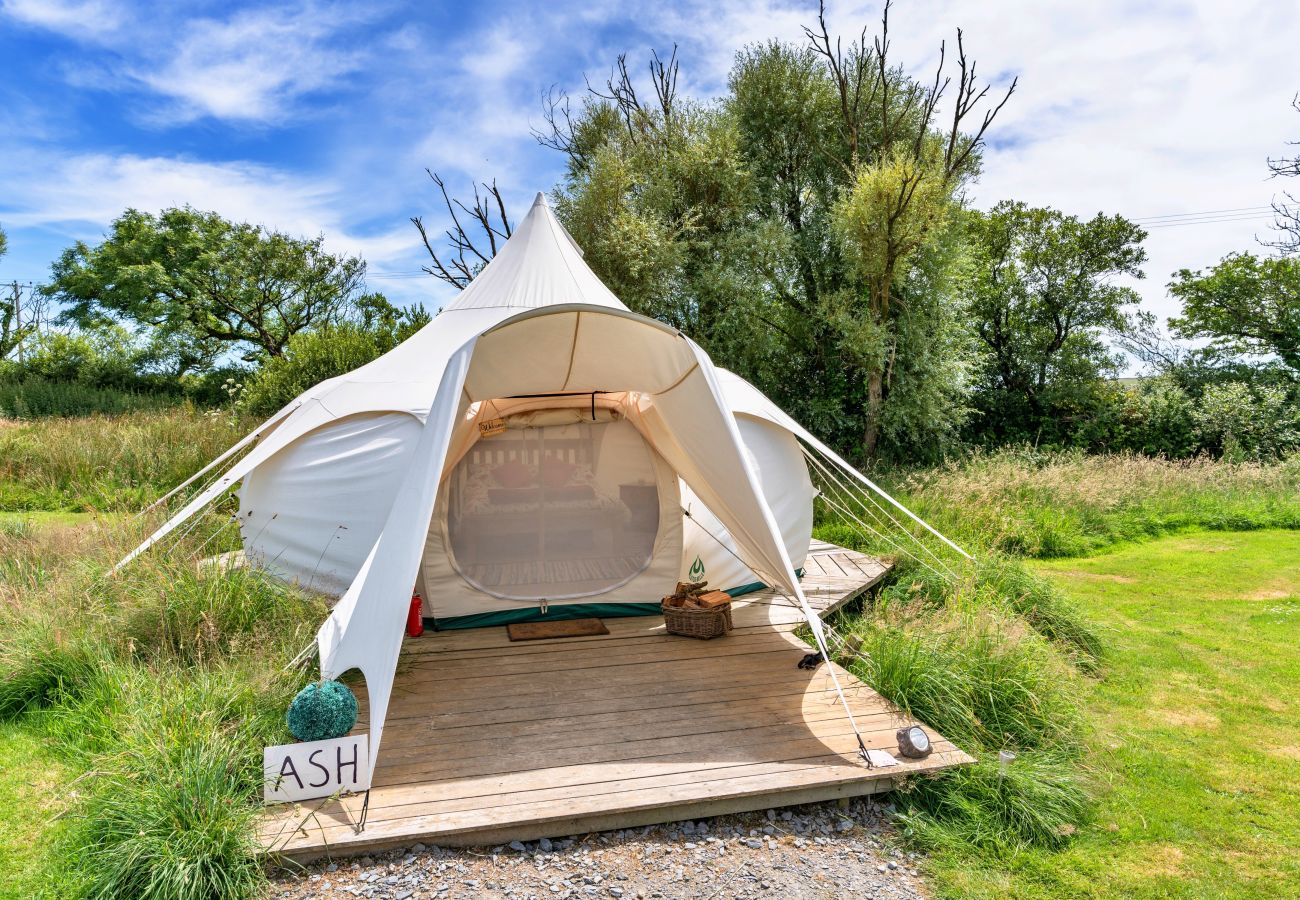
<point x="414" y="621"/>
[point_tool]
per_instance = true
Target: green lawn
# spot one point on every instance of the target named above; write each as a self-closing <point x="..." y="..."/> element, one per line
<point x="32" y="791"/>
<point x="1196" y="727"/>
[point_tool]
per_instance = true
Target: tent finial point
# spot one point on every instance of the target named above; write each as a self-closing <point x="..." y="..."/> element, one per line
<point x="540" y="199"/>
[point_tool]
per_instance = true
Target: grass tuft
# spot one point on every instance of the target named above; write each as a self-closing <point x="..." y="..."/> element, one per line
<point x="160" y="686"/>
<point x="173" y="797"/>
<point x="42" y="665"/>
<point x="1037" y="800"/>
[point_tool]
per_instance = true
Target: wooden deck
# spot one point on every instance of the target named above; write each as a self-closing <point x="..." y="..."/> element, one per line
<point x="489" y="741"/>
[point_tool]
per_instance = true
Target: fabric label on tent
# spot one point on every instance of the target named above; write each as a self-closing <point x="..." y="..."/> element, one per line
<point x="491" y="427"/>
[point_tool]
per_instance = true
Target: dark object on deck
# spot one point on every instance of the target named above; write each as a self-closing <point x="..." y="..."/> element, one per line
<point x="913" y="742"/>
<point x="536" y="631"/>
<point x="811" y="661"/>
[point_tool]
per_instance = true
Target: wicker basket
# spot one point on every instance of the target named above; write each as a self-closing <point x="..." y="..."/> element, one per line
<point x="690" y="621"/>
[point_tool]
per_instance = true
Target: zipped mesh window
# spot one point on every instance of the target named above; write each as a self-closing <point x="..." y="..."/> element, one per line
<point x="554" y="512"/>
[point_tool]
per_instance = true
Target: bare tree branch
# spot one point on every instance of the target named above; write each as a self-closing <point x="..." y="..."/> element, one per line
<point x="968" y="97"/>
<point x="557" y="112"/>
<point x="488" y="222"/>
<point x="1286" y="213"/>
<point x="663" y="76"/>
<point x="849" y="74"/>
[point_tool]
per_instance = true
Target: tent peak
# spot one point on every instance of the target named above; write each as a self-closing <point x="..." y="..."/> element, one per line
<point x="540" y="264"/>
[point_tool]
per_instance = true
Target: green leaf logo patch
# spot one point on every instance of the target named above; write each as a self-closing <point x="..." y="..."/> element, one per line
<point x="696" y="572"/>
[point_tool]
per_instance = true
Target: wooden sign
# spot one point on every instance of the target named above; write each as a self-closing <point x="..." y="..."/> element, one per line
<point x="490" y="427"/>
<point x="314" y="769"/>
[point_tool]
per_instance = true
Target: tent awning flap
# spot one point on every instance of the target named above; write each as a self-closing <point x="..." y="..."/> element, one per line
<point x="381" y="592"/>
<point x="693" y="428"/>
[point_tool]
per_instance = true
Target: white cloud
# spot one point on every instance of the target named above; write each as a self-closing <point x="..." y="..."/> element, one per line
<point x="253" y="65"/>
<point x="248" y="65"/>
<point x="82" y="19"/>
<point x="91" y="189"/>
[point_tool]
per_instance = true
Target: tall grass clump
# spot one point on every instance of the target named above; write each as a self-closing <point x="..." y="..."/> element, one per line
<point x="994" y="658"/>
<point x="107" y="463"/>
<point x="959" y="656"/>
<point x="172" y="799"/>
<point x="41" y="665"/>
<point x="160" y="685"/>
<point x="1054" y="504"/>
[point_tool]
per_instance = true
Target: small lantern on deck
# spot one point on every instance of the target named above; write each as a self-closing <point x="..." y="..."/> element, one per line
<point x="913" y="742"/>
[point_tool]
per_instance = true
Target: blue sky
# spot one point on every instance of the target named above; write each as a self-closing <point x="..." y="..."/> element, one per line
<point x="319" y="117"/>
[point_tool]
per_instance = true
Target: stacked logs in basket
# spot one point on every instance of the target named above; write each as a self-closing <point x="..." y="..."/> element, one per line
<point x="694" y="611"/>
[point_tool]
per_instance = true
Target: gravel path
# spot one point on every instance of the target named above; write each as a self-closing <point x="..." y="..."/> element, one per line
<point x="819" y="851"/>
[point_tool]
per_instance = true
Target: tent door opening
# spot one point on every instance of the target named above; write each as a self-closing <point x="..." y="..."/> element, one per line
<point x="545" y="512"/>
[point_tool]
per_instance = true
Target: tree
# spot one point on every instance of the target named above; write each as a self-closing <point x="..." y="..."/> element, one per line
<point x="9" y="326"/>
<point x="1244" y="305"/>
<point x="901" y="183"/>
<point x="205" y="286"/>
<point x="1286" y="212"/>
<point x="798" y="227"/>
<point x="1041" y="296"/>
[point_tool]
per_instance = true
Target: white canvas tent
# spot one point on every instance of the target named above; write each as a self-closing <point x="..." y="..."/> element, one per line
<point x="536" y="450"/>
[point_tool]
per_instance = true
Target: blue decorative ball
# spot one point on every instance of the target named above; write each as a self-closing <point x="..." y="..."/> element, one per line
<point x="322" y="710"/>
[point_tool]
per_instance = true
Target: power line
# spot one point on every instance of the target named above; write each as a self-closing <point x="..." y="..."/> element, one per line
<point x="1208" y="212"/>
<point x="1217" y="216"/>
<point x="1218" y="221"/>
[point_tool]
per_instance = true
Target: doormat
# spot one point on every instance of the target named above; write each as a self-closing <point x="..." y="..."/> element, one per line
<point x="536" y="631"/>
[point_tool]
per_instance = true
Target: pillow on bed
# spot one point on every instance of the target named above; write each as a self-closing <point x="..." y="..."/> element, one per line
<point x="513" y="475"/>
<point x="555" y="473"/>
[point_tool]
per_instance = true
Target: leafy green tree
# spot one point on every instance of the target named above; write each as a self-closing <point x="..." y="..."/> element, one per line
<point x="332" y="350"/>
<point x="798" y="227"/>
<point x="205" y="286"/>
<point x="1244" y="305"/>
<point x="1167" y="419"/>
<point x="103" y="357"/>
<point x="1040" y="297"/>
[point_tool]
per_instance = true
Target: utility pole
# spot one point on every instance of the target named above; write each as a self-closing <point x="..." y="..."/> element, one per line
<point x="18" y="318"/>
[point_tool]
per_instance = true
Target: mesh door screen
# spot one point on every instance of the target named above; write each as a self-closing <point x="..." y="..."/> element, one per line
<point x="554" y="512"/>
